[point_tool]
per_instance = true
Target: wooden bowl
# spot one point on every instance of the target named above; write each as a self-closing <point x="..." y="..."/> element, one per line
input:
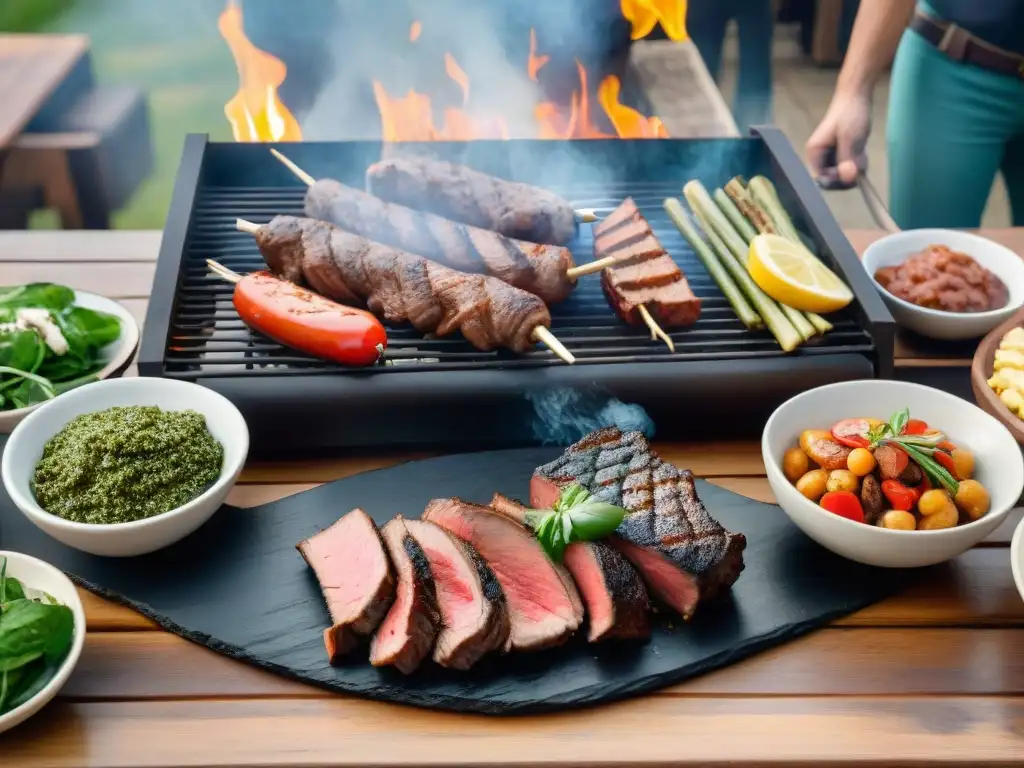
<point x="981" y="372"/>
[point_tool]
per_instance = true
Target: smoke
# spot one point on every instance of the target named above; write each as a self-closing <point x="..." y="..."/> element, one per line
<point x="563" y="416"/>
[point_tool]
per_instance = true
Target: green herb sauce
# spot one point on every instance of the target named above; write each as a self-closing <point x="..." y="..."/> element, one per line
<point x="125" y="464"/>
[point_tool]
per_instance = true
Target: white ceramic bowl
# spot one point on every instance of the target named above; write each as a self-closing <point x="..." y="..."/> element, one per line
<point x="25" y="446"/>
<point x="39" y="577"/>
<point x="999" y="467"/>
<point x="1017" y="558"/>
<point x="118" y="354"/>
<point x="894" y="249"/>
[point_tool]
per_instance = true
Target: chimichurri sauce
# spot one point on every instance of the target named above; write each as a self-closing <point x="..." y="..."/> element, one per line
<point x="125" y="464"/>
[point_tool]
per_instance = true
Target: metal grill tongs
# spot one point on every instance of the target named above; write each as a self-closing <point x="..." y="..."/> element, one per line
<point x="873" y="200"/>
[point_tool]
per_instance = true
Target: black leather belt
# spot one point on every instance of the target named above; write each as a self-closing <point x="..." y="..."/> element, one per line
<point x="960" y="45"/>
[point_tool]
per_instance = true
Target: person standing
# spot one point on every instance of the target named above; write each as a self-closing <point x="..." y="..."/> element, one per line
<point x="706" y="22"/>
<point x="956" y="107"/>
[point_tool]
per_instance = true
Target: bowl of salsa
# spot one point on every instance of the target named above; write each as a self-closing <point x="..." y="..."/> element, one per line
<point x="946" y="284"/>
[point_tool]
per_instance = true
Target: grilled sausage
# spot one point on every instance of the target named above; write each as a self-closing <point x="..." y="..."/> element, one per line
<point x="539" y="269"/>
<point x="401" y="287"/>
<point x="460" y="193"/>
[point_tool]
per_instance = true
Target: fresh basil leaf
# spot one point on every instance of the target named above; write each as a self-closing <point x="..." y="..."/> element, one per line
<point x="898" y="421"/>
<point x="20" y="349"/>
<point x="595" y="520"/>
<point x="30" y="630"/>
<point x="572" y="494"/>
<point x="43" y="295"/>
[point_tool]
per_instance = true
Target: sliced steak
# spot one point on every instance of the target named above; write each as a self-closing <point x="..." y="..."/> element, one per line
<point x="354" y="573"/>
<point x="543" y="608"/>
<point x="474" y="615"/>
<point x="407" y="633"/>
<point x="512" y="509"/>
<point x="615" y="596"/>
<point x="613" y="593"/>
<point x="683" y="554"/>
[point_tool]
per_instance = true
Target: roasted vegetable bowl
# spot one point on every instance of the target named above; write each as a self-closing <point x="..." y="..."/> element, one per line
<point x="895" y="491"/>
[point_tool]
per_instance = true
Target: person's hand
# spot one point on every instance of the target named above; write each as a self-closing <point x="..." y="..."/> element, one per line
<point x="835" y="150"/>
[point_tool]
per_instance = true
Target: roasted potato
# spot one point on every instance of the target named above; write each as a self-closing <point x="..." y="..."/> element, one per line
<point x="795" y="464"/>
<point x="972" y="499"/>
<point x="842" y="480"/>
<point x="812" y="484"/>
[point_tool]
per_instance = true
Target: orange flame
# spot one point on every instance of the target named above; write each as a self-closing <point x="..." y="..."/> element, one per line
<point x="411" y="117"/>
<point x="415" y="30"/>
<point x="644" y="15"/>
<point x="255" y="112"/>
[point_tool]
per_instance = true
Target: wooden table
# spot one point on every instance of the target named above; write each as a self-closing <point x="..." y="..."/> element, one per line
<point x="933" y="675"/>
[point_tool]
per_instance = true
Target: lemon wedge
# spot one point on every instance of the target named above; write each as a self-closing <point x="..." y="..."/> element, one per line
<point x="794" y="276"/>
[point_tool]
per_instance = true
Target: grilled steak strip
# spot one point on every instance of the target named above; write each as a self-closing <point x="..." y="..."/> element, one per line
<point x="474" y="614"/>
<point x="407" y="633"/>
<point x="399" y="286"/>
<point x="543" y="608"/>
<point x="647" y="276"/>
<point x="683" y="554"/>
<point x="355" y="576"/>
<point x="615" y="596"/>
<point x="460" y="193"/>
<point x="539" y="269"/>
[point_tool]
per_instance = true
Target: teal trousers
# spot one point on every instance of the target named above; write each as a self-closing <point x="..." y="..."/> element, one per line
<point x="951" y="128"/>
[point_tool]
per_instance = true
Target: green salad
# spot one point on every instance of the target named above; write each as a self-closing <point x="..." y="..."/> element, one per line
<point x="47" y="344"/>
<point x="35" y="637"/>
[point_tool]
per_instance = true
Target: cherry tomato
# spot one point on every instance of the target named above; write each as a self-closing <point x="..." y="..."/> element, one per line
<point x="946" y="461"/>
<point x="915" y="427"/>
<point x="844" y="504"/>
<point x="921" y="488"/>
<point x="852" y="433"/>
<point x="306" y="321"/>
<point x="900" y="496"/>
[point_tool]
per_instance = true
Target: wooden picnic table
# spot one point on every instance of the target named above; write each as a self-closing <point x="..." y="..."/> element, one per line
<point x="31" y="68"/>
<point x="934" y="675"/>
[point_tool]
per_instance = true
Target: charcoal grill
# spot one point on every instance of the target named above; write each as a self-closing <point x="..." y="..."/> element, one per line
<point x="721" y="380"/>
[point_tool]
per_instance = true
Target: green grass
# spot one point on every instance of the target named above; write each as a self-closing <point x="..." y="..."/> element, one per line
<point x="30" y="15"/>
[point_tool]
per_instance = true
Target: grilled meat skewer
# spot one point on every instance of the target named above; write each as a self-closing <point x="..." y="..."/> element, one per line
<point x="402" y="287"/>
<point x="539" y="269"/>
<point x="460" y="193"/>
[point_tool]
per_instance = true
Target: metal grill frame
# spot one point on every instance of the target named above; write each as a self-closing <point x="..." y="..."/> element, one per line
<point x="503" y="377"/>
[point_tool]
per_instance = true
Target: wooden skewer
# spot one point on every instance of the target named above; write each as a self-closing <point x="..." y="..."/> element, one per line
<point x="540" y="333"/>
<point x="583" y="215"/>
<point x="656" y="330"/>
<point x="594" y="266"/>
<point x="221" y="271"/>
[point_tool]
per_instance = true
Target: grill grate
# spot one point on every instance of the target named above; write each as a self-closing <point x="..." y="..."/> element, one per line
<point x="207" y="338"/>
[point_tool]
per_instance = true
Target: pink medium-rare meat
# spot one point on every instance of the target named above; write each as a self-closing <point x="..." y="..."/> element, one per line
<point x="543" y="608"/>
<point x="682" y="553"/>
<point x="513" y="510"/>
<point x="644" y="275"/>
<point x="615" y="596"/>
<point x="473" y="614"/>
<point x="612" y="591"/>
<point x="355" y="576"/>
<point x="463" y="194"/>
<point x="407" y="633"/>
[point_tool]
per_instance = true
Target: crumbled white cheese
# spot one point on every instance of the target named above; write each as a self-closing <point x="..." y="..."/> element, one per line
<point x="39" y="320"/>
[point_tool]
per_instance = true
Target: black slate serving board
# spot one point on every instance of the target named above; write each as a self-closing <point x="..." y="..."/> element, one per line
<point x="239" y="587"/>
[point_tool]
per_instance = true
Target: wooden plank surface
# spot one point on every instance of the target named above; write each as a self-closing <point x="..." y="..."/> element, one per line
<point x="934" y="675"/>
<point x="31" y="68"/>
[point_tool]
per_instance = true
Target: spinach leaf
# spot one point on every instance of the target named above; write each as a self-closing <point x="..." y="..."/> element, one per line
<point x="87" y="328"/>
<point x="44" y="295"/>
<point x="30" y="630"/>
<point x="29" y="680"/>
<point x="24" y="350"/>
